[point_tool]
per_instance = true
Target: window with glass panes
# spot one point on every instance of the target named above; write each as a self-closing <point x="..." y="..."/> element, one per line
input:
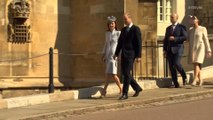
<point x="164" y="10"/>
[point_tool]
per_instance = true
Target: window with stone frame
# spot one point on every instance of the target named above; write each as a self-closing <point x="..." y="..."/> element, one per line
<point x="164" y="10"/>
<point x="19" y="23"/>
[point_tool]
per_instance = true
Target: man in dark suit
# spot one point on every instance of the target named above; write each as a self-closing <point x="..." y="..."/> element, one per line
<point x="130" y="44"/>
<point x="173" y="48"/>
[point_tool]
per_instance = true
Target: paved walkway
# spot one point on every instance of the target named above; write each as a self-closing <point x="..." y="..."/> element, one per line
<point x="73" y="107"/>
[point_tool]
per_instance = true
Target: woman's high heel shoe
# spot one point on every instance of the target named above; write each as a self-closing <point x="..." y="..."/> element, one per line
<point x="103" y="93"/>
<point x="194" y="83"/>
<point x="201" y="83"/>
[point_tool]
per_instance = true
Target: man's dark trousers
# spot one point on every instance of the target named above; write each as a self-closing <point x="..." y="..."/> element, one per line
<point x="127" y="67"/>
<point x="175" y="65"/>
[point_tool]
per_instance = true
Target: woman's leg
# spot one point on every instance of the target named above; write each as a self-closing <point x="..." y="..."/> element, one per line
<point x="196" y="73"/>
<point x="103" y="93"/>
<point x="199" y="75"/>
<point x="117" y="81"/>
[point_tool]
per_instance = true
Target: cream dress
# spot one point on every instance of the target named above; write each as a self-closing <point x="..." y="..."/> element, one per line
<point x="109" y="51"/>
<point x="198" y="44"/>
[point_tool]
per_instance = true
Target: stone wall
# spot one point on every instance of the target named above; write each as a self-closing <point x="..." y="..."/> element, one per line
<point x="76" y="31"/>
<point x="34" y="72"/>
<point x="144" y="14"/>
<point x="204" y="12"/>
<point x="86" y="39"/>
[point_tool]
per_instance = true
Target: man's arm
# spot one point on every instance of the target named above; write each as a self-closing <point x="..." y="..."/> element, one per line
<point x="165" y="42"/>
<point x="119" y="45"/>
<point x="138" y="43"/>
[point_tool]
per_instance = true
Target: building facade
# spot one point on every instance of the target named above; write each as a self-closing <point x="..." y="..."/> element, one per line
<point x="74" y="28"/>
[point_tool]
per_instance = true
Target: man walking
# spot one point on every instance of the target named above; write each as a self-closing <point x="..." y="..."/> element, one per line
<point x="130" y="44"/>
<point x="173" y="48"/>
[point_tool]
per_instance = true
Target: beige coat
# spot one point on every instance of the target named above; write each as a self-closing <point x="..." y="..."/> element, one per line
<point x="198" y="44"/>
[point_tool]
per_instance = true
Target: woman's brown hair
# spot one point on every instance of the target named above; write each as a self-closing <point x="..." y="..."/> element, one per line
<point x="108" y="23"/>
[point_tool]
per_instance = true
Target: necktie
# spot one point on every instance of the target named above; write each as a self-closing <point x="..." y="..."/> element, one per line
<point x="127" y="29"/>
<point x="172" y="29"/>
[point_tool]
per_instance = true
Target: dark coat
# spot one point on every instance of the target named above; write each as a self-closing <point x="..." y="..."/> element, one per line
<point x="176" y="46"/>
<point x="129" y="43"/>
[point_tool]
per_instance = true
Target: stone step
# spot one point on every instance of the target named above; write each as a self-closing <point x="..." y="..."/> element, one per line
<point x="67" y="95"/>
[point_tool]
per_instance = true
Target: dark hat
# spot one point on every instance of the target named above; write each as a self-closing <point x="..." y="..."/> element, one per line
<point x="111" y="19"/>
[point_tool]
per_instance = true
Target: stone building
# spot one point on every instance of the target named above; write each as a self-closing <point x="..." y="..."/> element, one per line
<point x="204" y="11"/>
<point x="75" y="29"/>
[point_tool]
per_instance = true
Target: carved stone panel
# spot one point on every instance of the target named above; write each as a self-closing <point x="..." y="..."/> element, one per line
<point x="19" y="25"/>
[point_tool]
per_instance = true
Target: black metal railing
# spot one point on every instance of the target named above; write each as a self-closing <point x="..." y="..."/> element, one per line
<point x="144" y="74"/>
<point x="153" y="65"/>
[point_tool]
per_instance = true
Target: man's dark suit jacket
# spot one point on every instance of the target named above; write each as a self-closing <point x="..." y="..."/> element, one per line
<point x="176" y="46"/>
<point x="130" y="43"/>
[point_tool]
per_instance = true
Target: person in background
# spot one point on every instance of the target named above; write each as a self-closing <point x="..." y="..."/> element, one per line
<point x="173" y="48"/>
<point x="129" y="43"/>
<point x="112" y="35"/>
<point x="199" y="47"/>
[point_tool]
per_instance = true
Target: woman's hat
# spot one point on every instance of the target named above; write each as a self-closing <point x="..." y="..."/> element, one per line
<point x="193" y="17"/>
<point x="111" y="19"/>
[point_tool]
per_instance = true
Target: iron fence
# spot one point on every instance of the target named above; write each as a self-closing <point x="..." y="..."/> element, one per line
<point x="152" y="65"/>
<point x="144" y="67"/>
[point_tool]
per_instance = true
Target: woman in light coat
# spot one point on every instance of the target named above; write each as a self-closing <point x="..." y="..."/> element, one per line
<point x="112" y="35"/>
<point x="199" y="47"/>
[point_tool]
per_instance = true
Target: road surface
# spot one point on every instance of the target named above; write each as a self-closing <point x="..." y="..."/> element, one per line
<point x="195" y="110"/>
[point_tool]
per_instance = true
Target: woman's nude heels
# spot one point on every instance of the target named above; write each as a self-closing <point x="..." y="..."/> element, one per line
<point x="103" y="93"/>
<point x="201" y="83"/>
<point x="194" y="83"/>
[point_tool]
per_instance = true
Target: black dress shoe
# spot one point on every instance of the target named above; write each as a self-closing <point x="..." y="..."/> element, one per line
<point x="137" y="93"/>
<point x="174" y="86"/>
<point x="123" y="97"/>
<point x="185" y="82"/>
